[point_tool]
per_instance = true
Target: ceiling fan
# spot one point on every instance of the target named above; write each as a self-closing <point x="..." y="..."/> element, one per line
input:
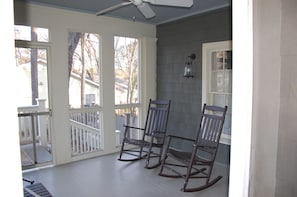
<point x="144" y="7"/>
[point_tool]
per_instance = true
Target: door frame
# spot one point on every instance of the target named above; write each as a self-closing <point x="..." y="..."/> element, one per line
<point x="33" y="115"/>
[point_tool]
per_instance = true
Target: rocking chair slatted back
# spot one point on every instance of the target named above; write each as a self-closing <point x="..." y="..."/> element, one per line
<point x="212" y="122"/>
<point x="157" y="118"/>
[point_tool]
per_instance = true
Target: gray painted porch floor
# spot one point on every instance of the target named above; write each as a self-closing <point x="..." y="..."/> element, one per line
<point x="27" y="155"/>
<point x="107" y="177"/>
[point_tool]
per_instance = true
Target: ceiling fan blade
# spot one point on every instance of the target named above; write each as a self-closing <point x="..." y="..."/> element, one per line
<point x="177" y="3"/>
<point x="146" y="10"/>
<point x="104" y="11"/>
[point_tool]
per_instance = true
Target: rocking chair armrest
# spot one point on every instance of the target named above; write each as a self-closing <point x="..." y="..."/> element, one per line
<point x="132" y="127"/>
<point x="155" y="133"/>
<point x="158" y="132"/>
<point x="179" y="137"/>
<point x="203" y="146"/>
<point x="127" y="127"/>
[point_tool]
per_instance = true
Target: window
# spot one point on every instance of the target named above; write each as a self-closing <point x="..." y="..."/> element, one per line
<point x="217" y="80"/>
<point x="28" y="33"/>
<point x="32" y="68"/>
<point x="84" y="70"/>
<point x="126" y="70"/>
<point x="32" y="64"/>
<point x="126" y="67"/>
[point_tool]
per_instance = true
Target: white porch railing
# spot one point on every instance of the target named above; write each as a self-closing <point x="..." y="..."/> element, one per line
<point x="28" y="123"/>
<point x="84" y="139"/>
<point x="89" y="116"/>
<point x="85" y="128"/>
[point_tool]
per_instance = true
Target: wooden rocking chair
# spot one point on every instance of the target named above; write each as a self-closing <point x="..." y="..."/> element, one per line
<point x="150" y="144"/>
<point x="197" y="163"/>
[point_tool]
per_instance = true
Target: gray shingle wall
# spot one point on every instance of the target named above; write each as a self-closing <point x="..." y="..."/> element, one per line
<point x="176" y="41"/>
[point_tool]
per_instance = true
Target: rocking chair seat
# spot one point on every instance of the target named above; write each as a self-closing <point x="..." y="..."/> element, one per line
<point x="138" y="142"/>
<point x="186" y="156"/>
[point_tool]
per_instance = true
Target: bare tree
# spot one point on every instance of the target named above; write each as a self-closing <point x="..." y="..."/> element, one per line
<point x="85" y="56"/>
<point x="73" y="40"/>
<point x="83" y="70"/>
<point x="132" y="59"/>
<point x="127" y="67"/>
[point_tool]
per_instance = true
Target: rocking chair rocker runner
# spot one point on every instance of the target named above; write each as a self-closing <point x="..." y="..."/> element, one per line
<point x="150" y="145"/>
<point x="197" y="163"/>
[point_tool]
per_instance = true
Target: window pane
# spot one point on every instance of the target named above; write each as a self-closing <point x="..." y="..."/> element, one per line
<point x="221" y="71"/>
<point x="228" y="81"/>
<point x="84" y="69"/>
<point x="228" y="59"/>
<point x="221" y="60"/>
<point x="126" y="65"/>
<point x="30" y="33"/>
<point x="217" y="60"/>
<point x="219" y="100"/>
<point x="217" y="83"/>
<point x="31" y="75"/>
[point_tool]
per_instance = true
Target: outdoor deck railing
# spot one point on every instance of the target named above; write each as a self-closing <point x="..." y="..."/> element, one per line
<point x="85" y="127"/>
<point x="34" y="118"/>
<point x="85" y="130"/>
<point x="84" y="139"/>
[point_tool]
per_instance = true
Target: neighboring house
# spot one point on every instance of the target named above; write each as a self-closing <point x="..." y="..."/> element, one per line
<point x="91" y="91"/>
<point x="24" y="94"/>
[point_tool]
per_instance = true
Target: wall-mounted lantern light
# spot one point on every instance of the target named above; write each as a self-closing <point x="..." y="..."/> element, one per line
<point x="188" y="66"/>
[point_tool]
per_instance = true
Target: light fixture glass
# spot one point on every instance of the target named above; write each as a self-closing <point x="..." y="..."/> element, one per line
<point x="188" y="66"/>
